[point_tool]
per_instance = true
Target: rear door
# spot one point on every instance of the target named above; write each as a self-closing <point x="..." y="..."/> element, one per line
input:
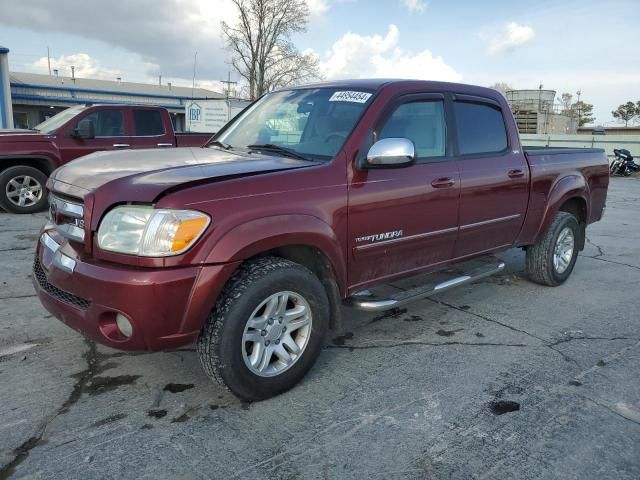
<point x="111" y="129"/>
<point x="494" y="176"/>
<point x="405" y="219"/>
<point x="149" y="129"/>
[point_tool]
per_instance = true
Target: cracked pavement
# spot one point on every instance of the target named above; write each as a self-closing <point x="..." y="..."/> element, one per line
<point x="500" y="379"/>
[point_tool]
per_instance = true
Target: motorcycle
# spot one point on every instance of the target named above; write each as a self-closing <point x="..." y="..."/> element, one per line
<point x="622" y="163"/>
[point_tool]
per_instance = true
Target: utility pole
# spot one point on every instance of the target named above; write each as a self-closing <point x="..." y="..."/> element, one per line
<point x="49" y="60"/>
<point x="228" y="83"/>
<point x="578" y="93"/>
<point x="73" y="73"/>
<point x="160" y="80"/>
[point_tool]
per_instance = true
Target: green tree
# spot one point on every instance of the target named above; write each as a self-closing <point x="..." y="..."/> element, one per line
<point x="584" y="112"/>
<point x="581" y="111"/>
<point x="627" y="112"/>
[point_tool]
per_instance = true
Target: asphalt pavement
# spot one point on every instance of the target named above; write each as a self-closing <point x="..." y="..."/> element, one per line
<point x="501" y="379"/>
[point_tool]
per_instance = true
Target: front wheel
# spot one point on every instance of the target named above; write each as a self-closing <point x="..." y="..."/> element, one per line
<point x="23" y="190"/>
<point x="551" y="260"/>
<point x="266" y="330"/>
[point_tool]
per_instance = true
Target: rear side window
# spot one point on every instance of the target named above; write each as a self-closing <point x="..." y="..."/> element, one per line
<point x="480" y="128"/>
<point x="148" y="123"/>
<point x="422" y="123"/>
<point x="107" y="123"/>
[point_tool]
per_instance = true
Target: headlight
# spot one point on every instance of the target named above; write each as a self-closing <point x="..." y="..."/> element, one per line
<point x="145" y="231"/>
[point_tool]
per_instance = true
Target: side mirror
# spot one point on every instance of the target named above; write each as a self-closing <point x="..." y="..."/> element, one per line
<point x="85" y="129"/>
<point x="391" y="153"/>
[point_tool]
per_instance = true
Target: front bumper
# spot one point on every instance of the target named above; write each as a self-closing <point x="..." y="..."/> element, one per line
<point x="166" y="307"/>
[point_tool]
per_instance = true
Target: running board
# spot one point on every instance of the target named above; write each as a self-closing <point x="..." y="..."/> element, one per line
<point x="362" y="300"/>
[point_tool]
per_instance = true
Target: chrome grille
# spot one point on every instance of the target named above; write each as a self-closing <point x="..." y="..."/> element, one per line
<point x="65" y="297"/>
<point x="67" y="216"/>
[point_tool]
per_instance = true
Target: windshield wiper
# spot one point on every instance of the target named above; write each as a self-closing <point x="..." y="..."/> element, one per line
<point x="218" y="143"/>
<point x="272" y="147"/>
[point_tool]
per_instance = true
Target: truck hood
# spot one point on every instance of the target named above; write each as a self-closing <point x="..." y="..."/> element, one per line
<point x="10" y="131"/>
<point x="142" y="175"/>
<point x="12" y="135"/>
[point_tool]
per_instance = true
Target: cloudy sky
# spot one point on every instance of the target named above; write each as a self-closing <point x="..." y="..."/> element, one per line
<point x="568" y="45"/>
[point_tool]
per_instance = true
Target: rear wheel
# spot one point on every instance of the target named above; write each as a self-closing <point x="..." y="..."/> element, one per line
<point x="23" y="190"/>
<point x="266" y="330"/>
<point x="551" y="260"/>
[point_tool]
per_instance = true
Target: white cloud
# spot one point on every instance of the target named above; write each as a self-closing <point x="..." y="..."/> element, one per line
<point x="510" y="37"/>
<point x="358" y="56"/>
<point x="318" y="7"/>
<point x="417" y="6"/>
<point x="85" y="67"/>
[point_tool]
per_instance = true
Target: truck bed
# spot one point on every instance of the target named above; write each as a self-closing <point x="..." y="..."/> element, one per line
<point x="550" y="167"/>
<point x="189" y="139"/>
<point x="559" y="150"/>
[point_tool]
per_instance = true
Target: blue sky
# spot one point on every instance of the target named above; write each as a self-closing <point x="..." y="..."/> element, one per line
<point x="565" y="45"/>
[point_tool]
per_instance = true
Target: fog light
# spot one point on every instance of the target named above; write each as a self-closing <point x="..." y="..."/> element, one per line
<point x="124" y="325"/>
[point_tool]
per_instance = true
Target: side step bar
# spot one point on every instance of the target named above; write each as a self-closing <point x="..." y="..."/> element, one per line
<point x="360" y="301"/>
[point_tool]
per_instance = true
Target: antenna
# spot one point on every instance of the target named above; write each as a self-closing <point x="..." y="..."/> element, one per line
<point x="195" y="61"/>
<point x="49" y="60"/>
<point x="73" y="73"/>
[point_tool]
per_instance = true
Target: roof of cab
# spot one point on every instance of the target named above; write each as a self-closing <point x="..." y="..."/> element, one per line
<point x="379" y="83"/>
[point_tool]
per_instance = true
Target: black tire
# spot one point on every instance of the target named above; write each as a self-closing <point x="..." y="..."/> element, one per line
<point x="6" y="188"/>
<point x="540" y="257"/>
<point x="220" y="345"/>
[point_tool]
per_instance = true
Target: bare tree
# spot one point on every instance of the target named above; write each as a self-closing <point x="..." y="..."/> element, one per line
<point x="566" y="101"/>
<point x="502" y="87"/>
<point x="262" y="50"/>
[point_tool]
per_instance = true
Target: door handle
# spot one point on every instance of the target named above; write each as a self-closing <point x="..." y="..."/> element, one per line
<point x="121" y="145"/>
<point x="165" y="144"/>
<point x="517" y="173"/>
<point x="445" y="182"/>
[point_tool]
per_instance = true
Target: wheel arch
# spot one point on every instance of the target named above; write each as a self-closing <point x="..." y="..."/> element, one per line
<point x="303" y="239"/>
<point x="569" y="194"/>
<point x="45" y="164"/>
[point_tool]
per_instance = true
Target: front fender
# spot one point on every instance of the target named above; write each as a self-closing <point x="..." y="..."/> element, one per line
<point x="264" y="234"/>
<point x="568" y="187"/>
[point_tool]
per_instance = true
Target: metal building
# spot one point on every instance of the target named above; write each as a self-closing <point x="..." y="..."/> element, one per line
<point x="535" y="112"/>
<point x="37" y="97"/>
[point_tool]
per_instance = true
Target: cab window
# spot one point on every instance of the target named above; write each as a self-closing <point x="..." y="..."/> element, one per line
<point x="480" y="128"/>
<point x="148" y="123"/>
<point x="107" y="123"/>
<point x="423" y="123"/>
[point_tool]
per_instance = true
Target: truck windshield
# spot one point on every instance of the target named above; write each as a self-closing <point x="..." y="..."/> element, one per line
<point x="52" y="124"/>
<point x="311" y="122"/>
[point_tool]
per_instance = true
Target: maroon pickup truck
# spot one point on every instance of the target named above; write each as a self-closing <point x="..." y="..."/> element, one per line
<point x="27" y="157"/>
<point x="309" y="198"/>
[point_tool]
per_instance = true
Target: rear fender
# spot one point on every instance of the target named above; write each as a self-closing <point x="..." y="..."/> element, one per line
<point x="571" y="186"/>
<point x="264" y="234"/>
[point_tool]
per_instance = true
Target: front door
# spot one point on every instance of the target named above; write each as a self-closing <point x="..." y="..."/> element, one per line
<point x="494" y="188"/>
<point x="111" y="134"/>
<point x="405" y="220"/>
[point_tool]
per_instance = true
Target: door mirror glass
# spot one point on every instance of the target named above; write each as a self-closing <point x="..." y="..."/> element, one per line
<point x="391" y="153"/>
<point x="85" y="129"/>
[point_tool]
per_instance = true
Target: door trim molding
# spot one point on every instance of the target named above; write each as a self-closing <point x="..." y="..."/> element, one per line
<point x="393" y="241"/>
<point x="490" y="221"/>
